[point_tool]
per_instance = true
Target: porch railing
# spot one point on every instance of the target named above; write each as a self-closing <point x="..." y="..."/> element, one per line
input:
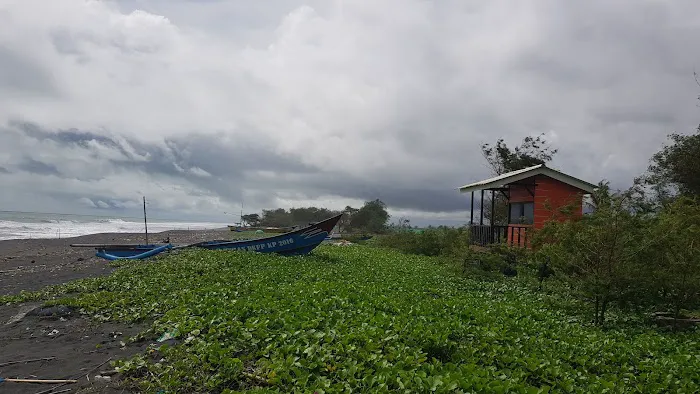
<point x="486" y="235"/>
<point x="483" y="235"/>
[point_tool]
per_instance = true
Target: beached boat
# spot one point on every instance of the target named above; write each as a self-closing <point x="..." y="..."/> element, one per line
<point x="263" y="229"/>
<point x="131" y="252"/>
<point x="301" y="241"/>
<point x="297" y="242"/>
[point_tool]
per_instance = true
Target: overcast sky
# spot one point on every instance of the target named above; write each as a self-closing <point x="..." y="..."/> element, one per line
<point x="206" y="105"/>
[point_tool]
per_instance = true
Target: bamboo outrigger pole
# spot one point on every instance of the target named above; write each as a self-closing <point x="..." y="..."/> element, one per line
<point x="46" y="381"/>
<point x="145" y="222"/>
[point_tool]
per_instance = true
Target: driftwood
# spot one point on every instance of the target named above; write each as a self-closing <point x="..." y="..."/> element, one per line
<point x="87" y="375"/>
<point x="26" y="361"/>
<point x="49" y="381"/>
<point x="667" y="318"/>
<point x="51" y="390"/>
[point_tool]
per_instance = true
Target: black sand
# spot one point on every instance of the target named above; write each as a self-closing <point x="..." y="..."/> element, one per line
<point x="77" y="345"/>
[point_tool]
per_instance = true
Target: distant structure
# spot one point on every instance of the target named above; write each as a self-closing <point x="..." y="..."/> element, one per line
<point x="534" y="195"/>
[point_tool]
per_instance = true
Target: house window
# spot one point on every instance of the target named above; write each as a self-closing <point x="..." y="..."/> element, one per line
<point x="522" y="213"/>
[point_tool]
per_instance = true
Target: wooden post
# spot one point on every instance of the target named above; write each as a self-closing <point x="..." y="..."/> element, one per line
<point x="481" y="209"/>
<point x="145" y="222"/>
<point x="493" y="216"/>
<point x="493" y="207"/>
<point x="471" y="219"/>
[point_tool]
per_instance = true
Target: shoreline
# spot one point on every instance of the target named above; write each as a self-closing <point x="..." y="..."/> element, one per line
<point x="72" y="344"/>
<point x="104" y="234"/>
<point x="31" y="264"/>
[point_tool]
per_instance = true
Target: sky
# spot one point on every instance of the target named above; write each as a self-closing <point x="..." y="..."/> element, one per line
<point x="209" y="107"/>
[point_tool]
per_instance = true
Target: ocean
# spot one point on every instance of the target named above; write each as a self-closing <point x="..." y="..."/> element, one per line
<point x="23" y="225"/>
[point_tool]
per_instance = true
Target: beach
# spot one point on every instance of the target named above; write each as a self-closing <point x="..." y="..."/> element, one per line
<point x="75" y="344"/>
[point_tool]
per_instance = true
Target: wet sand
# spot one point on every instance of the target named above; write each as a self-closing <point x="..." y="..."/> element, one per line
<point x="76" y="344"/>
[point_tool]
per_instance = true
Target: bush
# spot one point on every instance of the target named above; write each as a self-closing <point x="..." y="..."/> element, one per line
<point x="675" y="250"/>
<point x="599" y="254"/>
<point x="440" y="241"/>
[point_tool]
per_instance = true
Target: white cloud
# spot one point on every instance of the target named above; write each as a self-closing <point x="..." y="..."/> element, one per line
<point x="392" y="97"/>
<point x="199" y="172"/>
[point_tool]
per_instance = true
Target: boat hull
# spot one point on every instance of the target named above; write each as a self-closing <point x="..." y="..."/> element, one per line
<point x="137" y="252"/>
<point x="298" y="242"/>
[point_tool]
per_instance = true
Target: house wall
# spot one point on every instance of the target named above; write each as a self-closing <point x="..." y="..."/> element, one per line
<point x="520" y="194"/>
<point x="550" y="196"/>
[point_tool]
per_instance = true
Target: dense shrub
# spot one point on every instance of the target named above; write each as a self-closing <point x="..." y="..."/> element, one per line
<point x="437" y="241"/>
<point x="615" y="255"/>
<point x="674" y="251"/>
<point x="454" y="245"/>
<point x="598" y="254"/>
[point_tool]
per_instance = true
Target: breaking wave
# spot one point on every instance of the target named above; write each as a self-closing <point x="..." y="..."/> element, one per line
<point x="63" y="228"/>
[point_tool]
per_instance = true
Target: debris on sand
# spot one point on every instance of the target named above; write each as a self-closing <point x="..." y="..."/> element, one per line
<point x="56" y="312"/>
<point x="23" y="311"/>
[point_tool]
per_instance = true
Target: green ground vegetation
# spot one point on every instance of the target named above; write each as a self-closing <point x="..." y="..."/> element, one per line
<point x="368" y="319"/>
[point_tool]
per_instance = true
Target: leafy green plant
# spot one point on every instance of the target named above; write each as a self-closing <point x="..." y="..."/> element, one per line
<point x="434" y="241"/>
<point x="675" y="242"/>
<point x="368" y="320"/>
<point x="600" y="253"/>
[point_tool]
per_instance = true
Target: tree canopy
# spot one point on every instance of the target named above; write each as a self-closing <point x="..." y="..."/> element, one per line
<point x="675" y="169"/>
<point x="531" y="151"/>
<point x="252" y="219"/>
<point x="371" y="217"/>
<point x="502" y="159"/>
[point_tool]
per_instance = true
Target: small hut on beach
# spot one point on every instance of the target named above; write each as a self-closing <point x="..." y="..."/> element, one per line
<point x="534" y="195"/>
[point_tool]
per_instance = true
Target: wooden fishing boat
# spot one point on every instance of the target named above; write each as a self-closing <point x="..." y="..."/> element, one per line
<point x="297" y="242"/>
<point x="133" y="252"/>
<point x="301" y="241"/>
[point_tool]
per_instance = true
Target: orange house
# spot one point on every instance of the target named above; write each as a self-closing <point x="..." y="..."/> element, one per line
<point x="534" y="196"/>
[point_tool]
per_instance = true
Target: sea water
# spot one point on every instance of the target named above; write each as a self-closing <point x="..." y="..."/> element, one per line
<point x="23" y="225"/>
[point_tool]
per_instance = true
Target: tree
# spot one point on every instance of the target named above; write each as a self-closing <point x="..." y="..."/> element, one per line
<point x="276" y="218"/>
<point x="502" y="159"/>
<point x="295" y="216"/>
<point x="253" y="219"/>
<point x="600" y="253"/>
<point x="344" y="223"/>
<point x="674" y="170"/>
<point x="304" y="216"/>
<point x="531" y="152"/>
<point x="676" y="241"/>
<point x="372" y="217"/>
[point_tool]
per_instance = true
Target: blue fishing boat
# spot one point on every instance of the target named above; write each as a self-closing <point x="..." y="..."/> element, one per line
<point x="297" y="242"/>
<point x="131" y="252"/>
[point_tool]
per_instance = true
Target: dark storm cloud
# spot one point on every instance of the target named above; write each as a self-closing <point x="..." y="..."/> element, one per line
<point x="232" y="168"/>
<point x="4" y="170"/>
<point x="66" y="137"/>
<point x="205" y="151"/>
<point x="38" y="167"/>
<point x="397" y="195"/>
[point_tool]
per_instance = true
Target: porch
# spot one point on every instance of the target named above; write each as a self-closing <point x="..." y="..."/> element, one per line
<point x="511" y="235"/>
<point x="512" y="229"/>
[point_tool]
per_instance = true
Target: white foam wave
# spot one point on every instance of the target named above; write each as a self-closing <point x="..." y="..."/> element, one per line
<point x="68" y="228"/>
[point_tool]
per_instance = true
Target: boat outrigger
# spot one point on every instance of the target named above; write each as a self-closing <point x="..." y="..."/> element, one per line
<point x="297" y="242"/>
